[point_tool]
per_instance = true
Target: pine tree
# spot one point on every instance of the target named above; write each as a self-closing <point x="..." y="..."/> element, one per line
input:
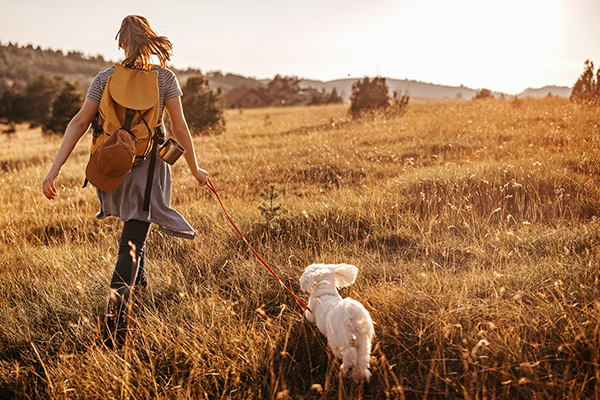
<point x="587" y="87"/>
<point x="12" y="107"/>
<point x="202" y="108"/>
<point x="39" y="94"/>
<point x="65" y="105"/>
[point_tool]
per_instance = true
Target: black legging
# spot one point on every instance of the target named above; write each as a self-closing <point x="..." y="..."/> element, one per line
<point x="128" y="272"/>
<point x="125" y="273"/>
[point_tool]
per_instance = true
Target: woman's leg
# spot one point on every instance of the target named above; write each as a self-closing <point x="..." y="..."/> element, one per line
<point x="126" y="269"/>
<point x="127" y="274"/>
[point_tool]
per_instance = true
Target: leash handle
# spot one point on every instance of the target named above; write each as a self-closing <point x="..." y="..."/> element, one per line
<point x="212" y="188"/>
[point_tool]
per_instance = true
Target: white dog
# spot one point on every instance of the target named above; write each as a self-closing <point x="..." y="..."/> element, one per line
<point x="345" y="322"/>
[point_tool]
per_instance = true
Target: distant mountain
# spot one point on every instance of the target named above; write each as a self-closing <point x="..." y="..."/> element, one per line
<point x="19" y="65"/>
<point x="230" y="81"/>
<point x="415" y="89"/>
<point x="430" y="91"/>
<point x="560" y="91"/>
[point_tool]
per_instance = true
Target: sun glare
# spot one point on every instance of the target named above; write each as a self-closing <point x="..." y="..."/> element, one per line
<point x="497" y="45"/>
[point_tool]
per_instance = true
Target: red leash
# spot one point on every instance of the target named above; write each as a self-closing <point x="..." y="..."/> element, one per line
<point x="212" y="188"/>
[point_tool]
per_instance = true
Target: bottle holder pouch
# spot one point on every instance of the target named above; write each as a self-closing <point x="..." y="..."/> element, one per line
<point x="170" y="151"/>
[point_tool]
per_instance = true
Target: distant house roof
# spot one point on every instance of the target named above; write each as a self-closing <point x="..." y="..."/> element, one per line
<point x="244" y="97"/>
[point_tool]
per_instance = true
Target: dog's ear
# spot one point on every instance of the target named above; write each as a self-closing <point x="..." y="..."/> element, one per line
<point x="307" y="280"/>
<point x="344" y="274"/>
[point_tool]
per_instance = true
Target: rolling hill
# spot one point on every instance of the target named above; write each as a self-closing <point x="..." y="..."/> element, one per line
<point x="19" y="64"/>
<point x="431" y="91"/>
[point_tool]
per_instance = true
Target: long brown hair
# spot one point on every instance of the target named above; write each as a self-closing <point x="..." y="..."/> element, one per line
<point x="140" y="42"/>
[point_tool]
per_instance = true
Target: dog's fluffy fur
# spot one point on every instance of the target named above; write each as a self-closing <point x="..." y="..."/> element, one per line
<point x="345" y="322"/>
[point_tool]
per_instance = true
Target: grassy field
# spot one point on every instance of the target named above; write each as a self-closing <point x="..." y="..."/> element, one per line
<point x="474" y="226"/>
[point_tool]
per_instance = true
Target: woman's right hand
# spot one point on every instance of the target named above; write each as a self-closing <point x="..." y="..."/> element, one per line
<point x="77" y="127"/>
<point x="49" y="185"/>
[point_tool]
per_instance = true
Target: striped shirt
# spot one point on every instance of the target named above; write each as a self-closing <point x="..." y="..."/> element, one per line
<point x="168" y="86"/>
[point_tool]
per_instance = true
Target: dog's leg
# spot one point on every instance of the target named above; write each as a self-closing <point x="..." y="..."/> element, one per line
<point x="349" y="360"/>
<point x="360" y="370"/>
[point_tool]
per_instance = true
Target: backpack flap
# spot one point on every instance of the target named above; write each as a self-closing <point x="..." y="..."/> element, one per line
<point x="134" y="88"/>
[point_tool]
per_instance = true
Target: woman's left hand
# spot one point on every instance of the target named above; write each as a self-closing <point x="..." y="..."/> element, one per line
<point x="202" y="176"/>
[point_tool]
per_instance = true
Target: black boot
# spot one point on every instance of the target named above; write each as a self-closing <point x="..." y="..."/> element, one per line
<point x="114" y="328"/>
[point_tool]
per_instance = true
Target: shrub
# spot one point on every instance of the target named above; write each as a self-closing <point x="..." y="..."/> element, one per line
<point x="370" y="97"/>
<point x="483" y="94"/>
<point x="270" y="210"/>
<point x="398" y="104"/>
<point x="202" y="107"/>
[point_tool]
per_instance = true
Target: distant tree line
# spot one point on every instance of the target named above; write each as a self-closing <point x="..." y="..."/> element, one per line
<point x="37" y="87"/>
<point x="45" y="101"/>
<point x="286" y="91"/>
<point x="40" y="87"/>
<point x="52" y="102"/>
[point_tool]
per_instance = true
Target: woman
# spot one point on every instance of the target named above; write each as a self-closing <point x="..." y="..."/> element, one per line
<point x="139" y="43"/>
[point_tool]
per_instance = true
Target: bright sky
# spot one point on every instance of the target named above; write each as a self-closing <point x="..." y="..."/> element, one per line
<point x="505" y="45"/>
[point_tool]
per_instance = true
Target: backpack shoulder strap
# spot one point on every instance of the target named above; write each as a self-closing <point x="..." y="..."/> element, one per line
<point x="129" y="113"/>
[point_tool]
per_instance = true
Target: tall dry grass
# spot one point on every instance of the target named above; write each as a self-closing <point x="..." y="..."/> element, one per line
<point x="474" y="226"/>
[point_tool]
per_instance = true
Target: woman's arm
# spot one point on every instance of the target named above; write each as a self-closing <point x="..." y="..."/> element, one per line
<point x="77" y="127"/>
<point x="183" y="136"/>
